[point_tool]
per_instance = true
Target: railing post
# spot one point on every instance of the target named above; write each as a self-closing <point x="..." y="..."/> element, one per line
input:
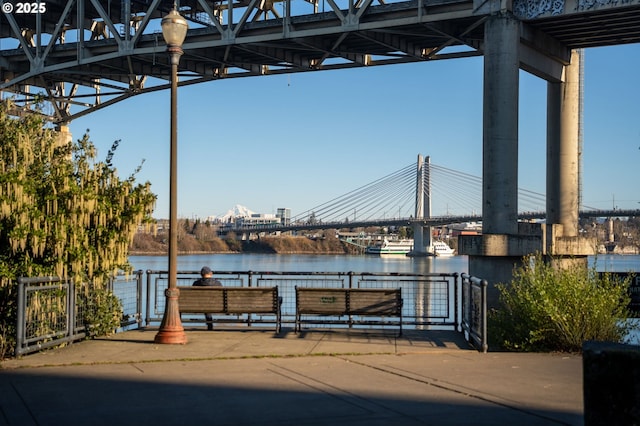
<point x="148" y="313"/>
<point x="483" y="289"/>
<point x="249" y="283"/>
<point x="20" y="326"/>
<point x="71" y="309"/>
<point x="139" y="297"/>
<point x="456" y="306"/>
<point x="348" y="301"/>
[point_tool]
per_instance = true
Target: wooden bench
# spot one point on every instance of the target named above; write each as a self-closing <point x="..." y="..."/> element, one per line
<point x="231" y="301"/>
<point x="350" y="302"/>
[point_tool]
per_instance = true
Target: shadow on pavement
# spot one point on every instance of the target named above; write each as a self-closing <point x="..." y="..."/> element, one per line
<point x="236" y="392"/>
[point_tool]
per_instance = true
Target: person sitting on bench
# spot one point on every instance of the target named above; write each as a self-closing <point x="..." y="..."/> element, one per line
<point x="207" y="280"/>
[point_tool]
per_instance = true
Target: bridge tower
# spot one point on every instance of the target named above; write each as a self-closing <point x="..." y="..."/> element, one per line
<point x="505" y="241"/>
<point x="422" y="234"/>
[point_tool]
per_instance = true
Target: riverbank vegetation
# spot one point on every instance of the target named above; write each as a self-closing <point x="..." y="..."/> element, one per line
<point x="202" y="237"/>
<point x="550" y="309"/>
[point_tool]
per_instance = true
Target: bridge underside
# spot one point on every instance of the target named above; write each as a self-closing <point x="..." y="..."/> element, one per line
<point x="83" y="55"/>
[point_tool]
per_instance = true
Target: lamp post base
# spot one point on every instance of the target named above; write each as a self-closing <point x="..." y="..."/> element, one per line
<point x="171" y="330"/>
<point x="171" y="337"/>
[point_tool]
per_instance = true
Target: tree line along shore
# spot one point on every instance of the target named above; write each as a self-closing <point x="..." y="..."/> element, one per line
<point x="149" y="244"/>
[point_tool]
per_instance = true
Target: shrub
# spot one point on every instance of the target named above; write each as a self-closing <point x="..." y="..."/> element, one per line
<point x="546" y="308"/>
<point x="100" y="311"/>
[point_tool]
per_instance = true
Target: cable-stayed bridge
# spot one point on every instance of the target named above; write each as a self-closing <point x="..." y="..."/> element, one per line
<point x="398" y="198"/>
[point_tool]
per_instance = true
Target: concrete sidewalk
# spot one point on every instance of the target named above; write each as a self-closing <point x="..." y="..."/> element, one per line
<point x="240" y="376"/>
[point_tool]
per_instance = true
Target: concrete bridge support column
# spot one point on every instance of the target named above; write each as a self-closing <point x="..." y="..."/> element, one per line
<point x="562" y="244"/>
<point x="563" y="115"/>
<point x="493" y="255"/>
<point x="500" y="126"/>
<point x="489" y="253"/>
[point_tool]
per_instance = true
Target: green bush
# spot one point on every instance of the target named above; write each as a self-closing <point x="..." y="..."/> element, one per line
<point x="8" y="313"/>
<point x="101" y="312"/>
<point x="551" y="309"/>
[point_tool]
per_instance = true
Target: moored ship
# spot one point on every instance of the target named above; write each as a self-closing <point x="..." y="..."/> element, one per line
<point x="440" y="248"/>
<point x="391" y="247"/>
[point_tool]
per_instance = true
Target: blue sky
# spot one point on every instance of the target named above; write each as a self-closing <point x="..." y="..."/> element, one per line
<point x="300" y="140"/>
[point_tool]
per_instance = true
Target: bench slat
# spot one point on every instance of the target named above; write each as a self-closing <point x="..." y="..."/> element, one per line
<point x="197" y="300"/>
<point x="254" y="300"/>
<point x="378" y="302"/>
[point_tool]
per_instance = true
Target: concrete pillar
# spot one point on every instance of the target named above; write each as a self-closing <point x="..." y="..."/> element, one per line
<point x="563" y="245"/>
<point x="64" y="134"/>
<point x="500" y="125"/>
<point x="493" y="255"/>
<point x="563" y="120"/>
<point x="418" y="242"/>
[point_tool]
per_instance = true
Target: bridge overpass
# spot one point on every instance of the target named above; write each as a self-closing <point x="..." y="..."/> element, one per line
<point x="83" y="55"/>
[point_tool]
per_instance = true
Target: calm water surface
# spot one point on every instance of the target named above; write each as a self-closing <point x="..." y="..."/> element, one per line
<point x="305" y="263"/>
<point x="345" y="263"/>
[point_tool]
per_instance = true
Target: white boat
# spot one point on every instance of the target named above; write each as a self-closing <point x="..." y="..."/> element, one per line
<point x="440" y="248"/>
<point x="405" y="247"/>
<point x="391" y="247"/>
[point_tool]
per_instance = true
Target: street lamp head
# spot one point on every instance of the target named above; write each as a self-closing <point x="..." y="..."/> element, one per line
<point x="174" y="29"/>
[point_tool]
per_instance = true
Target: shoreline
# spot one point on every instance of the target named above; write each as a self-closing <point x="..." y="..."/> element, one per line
<point x="188" y="253"/>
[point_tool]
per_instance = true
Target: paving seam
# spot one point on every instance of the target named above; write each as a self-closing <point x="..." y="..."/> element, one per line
<point x="451" y="387"/>
<point x="322" y="386"/>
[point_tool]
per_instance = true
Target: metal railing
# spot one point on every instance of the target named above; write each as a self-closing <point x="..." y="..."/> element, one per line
<point x="48" y="311"/>
<point x="46" y="314"/>
<point x="474" y="311"/>
<point x="430" y="300"/>
<point x="129" y="289"/>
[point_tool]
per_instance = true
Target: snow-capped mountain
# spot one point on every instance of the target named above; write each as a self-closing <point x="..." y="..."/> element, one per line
<point x="236" y="211"/>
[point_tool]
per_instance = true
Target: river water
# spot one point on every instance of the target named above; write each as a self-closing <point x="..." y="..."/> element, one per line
<point x="345" y="263"/>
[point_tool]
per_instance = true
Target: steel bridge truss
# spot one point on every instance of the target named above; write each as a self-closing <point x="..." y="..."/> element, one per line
<point x="78" y="56"/>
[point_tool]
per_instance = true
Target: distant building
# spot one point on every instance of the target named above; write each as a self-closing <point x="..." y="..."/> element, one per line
<point x="466" y="228"/>
<point x="247" y="218"/>
<point x="258" y="219"/>
<point x="284" y="215"/>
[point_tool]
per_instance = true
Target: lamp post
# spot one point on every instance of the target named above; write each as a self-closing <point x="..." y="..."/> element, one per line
<point x="174" y="31"/>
